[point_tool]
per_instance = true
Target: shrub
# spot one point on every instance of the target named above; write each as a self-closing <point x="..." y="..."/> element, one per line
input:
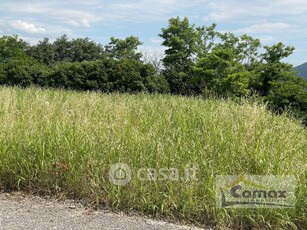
<point x="108" y="75"/>
<point x="23" y="72"/>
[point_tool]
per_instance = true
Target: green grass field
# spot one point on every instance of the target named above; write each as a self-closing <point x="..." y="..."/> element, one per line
<point x="64" y="143"/>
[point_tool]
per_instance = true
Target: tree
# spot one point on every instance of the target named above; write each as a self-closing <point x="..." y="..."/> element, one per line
<point x="219" y="73"/>
<point x="124" y="48"/>
<point x="271" y="68"/>
<point x="153" y="57"/>
<point x="23" y="72"/>
<point x="206" y="40"/>
<point x="83" y="49"/>
<point x="16" y="67"/>
<point x="62" y="48"/>
<point x="289" y="92"/>
<point x="180" y="38"/>
<point x="12" y="47"/>
<point x="65" y="50"/>
<point x="194" y="52"/>
<point x="247" y="50"/>
<point x="43" y="51"/>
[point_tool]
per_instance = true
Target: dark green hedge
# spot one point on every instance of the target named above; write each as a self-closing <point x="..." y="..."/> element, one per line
<point x="106" y="75"/>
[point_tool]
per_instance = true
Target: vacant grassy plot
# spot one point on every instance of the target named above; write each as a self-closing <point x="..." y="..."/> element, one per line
<point x="59" y="142"/>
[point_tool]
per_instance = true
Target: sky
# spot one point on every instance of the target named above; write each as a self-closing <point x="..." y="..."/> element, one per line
<point x="271" y="21"/>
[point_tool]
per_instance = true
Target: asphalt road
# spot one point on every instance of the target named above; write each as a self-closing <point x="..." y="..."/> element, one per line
<point x="18" y="211"/>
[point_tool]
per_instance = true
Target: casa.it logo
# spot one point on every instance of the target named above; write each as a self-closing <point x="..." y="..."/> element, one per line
<point x="120" y="174"/>
<point x="255" y="191"/>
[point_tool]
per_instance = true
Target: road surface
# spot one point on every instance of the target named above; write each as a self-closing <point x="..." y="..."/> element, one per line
<point x="18" y="211"/>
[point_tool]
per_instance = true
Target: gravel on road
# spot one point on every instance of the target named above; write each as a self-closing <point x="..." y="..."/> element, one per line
<point x="19" y="211"/>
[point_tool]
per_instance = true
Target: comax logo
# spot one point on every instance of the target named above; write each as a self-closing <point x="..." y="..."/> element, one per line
<point x="252" y="191"/>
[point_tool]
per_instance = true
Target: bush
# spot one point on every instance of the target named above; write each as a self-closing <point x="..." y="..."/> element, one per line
<point x="291" y="93"/>
<point x="23" y="72"/>
<point x="108" y="75"/>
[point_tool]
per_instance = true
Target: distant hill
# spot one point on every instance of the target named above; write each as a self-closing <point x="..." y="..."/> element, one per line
<point x="302" y="69"/>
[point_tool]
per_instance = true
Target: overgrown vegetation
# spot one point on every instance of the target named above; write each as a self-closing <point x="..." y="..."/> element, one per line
<point x="201" y="60"/>
<point x="64" y="142"/>
<point x="79" y="64"/>
<point x="197" y="61"/>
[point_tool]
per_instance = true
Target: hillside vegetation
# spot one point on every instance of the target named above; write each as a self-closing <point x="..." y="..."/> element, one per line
<point x="57" y="142"/>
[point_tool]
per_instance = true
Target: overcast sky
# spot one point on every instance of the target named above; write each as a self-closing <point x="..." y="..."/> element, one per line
<point x="270" y="20"/>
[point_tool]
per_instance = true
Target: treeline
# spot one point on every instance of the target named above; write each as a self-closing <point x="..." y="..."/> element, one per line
<point x="197" y="61"/>
<point x="79" y="64"/>
<point x="201" y="60"/>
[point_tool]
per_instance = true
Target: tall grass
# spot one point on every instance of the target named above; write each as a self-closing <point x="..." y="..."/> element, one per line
<point x="64" y="142"/>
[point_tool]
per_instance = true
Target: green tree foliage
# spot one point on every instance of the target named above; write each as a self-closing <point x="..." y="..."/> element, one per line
<point x="289" y="92"/>
<point x="271" y="68"/>
<point x="247" y="51"/>
<point x="205" y="42"/>
<point x="23" y="72"/>
<point x="124" y="48"/>
<point x="197" y="60"/>
<point x="83" y="49"/>
<point x="201" y="60"/>
<point x="62" y="48"/>
<point x="130" y="75"/>
<point x="11" y="47"/>
<point x="219" y="73"/>
<point x="44" y="52"/>
<point x="108" y="75"/>
<point x="78" y="64"/>
<point x="180" y="38"/>
<point x="65" y="50"/>
<point x="16" y="67"/>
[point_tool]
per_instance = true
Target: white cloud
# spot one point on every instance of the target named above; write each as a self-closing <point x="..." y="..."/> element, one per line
<point x="268" y="28"/>
<point x="80" y="23"/>
<point x="82" y="17"/>
<point x="84" y="13"/>
<point x="28" y="8"/>
<point x="266" y="39"/>
<point x="222" y="10"/>
<point x="27" y="27"/>
<point x="273" y="20"/>
<point x="156" y="41"/>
